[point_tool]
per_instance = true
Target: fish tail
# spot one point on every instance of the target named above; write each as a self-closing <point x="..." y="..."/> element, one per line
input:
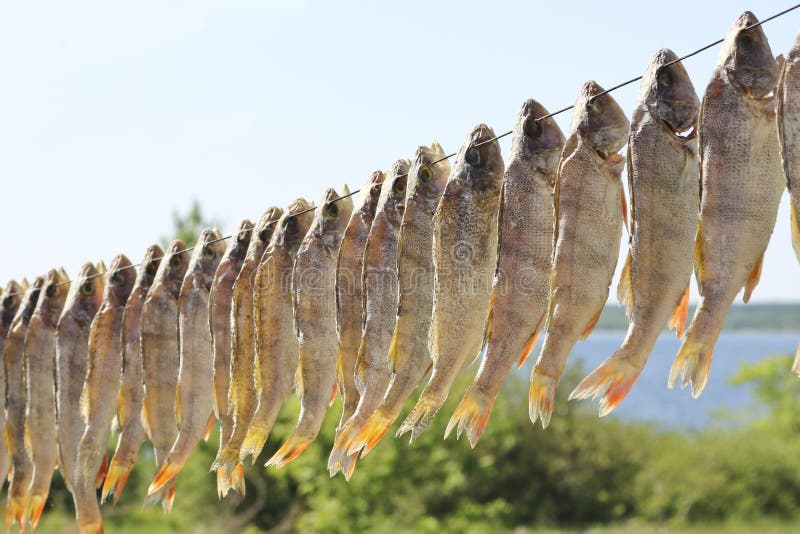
<point x="541" y="397"/>
<point x="796" y="363"/>
<point x="16" y="510"/>
<point x="166" y="496"/>
<point x="168" y="470"/>
<point x="228" y="457"/>
<point x="223" y="483"/>
<point x="237" y="480"/>
<point x="35" y="508"/>
<point x="471" y="415"/>
<point x="291" y="449"/>
<point x="611" y="381"/>
<point x="341" y="458"/>
<point x="371" y="432"/>
<point x="253" y="443"/>
<point x="90" y="528"/>
<point x="115" y="481"/>
<point x="692" y="365"/>
<point x="420" y="417"/>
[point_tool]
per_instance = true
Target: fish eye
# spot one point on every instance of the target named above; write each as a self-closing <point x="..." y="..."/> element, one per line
<point x="8" y="302"/>
<point x="331" y="210"/>
<point x="87" y="288"/>
<point x="745" y="42"/>
<point x="594" y="106"/>
<point x="243" y="235"/>
<point x="290" y="223"/>
<point x="424" y="173"/>
<point x="116" y="277"/>
<point x="151" y="268"/>
<point x="473" y="156"/>
<point x="50" y="291"/>
<point x="209" y="252"/>
<point x="532" y="127"/>
<point x="174" y="261"/>
<point x="399" y="186"/>
<point x="665" y="78"/>
<point x="265" y="234"/>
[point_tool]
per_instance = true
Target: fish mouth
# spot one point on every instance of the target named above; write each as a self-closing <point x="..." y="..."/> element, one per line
<point x="685" y="133"/>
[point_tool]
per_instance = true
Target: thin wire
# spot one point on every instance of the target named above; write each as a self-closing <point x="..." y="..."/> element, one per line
<point x="491" y="140"/>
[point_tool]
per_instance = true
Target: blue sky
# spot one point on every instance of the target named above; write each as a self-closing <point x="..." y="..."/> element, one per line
<point x="113" y="114"/>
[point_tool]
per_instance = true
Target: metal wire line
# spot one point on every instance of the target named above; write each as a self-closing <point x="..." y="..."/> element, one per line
<point x="495" y="138"/>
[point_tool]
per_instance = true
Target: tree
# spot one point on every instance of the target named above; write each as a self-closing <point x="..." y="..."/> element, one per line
<point x="187" y="227"/>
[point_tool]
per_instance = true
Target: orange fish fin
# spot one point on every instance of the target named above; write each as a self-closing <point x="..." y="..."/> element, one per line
<point x="624" y="206"/>
<point x="592" y="324"/>
<point x="531" y="342"/>
<point x="625" y="286"/>
<point x="209" y="427"/>
<point x="146" y="418"/>
<point x="678" y="321"/>
<point x="541" y="397"/>
<point x="333" y="395"/>
<point x="392" y="352"/>
<point x="611" y="381"/>
<point x="101" y="473"/>
<point x="752" y="280"/>
<point x="361" y="367"/>
<point x="471" y="415"/>
<point x="699" y="272"/>
<point x="428" y="370"/>
<point x="291" y="449"/>
<point x="178" y="404"/>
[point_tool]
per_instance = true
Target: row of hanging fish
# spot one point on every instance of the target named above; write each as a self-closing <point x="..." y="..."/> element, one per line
<point x="431" y="266"/>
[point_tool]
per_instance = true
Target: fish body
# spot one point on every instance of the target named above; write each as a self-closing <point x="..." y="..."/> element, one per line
<point x="16" y="401"/>
<point x="40" y="367"/>
<point x="521" y="286"/>
<point x="789" y="128"/>
<point x="465" y="257"/>
<point x="243" y="397"/>
<point x="72" y="360"/>
<point x="350" y="292"/>
<point x="100" y="391"/>
<point x="742" y="183"/>
<point x="277" y="349"/>
<point x="194" y="400"/>
<point x="314" y="295"/>
<point x="664" y="188"/>
<point x="409" y="357"/>
<point x="380" y="289"/>
<point x="12" y="297"/>
<point x="161" y="359"/>
<point x="220" y="301"/>
<point x="589" y="206"/>
<point x="131" y="391"/>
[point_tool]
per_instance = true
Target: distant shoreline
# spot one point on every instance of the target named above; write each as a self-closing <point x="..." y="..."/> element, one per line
<point x="777" y="317"/>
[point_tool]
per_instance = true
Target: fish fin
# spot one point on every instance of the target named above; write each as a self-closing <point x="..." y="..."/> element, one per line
<point x="471" y="415"/>
<point x="338" y="459"/>
<point x="428" y="370"/>
<point x="349" y="465"/>
<point x="291" y="449"/>
<point x="168" y="497"/>
<point x="590" y="326"/>
<point x="752" y="280"/>
<point x="487" y="333"/>
<point x="699" y="271"/>
<point x="692" y="365"/>
<point x="678" y="321"/>
<point x="795" y="230"/>
<point x="35" y="508"/>
<point x="223" y="483"/>
<point x="541" y="397"/>
<point x="227" y="457"/>
<point x="333" y="395"/>
<point x="209" y="427"/>
<point x="101" y="473"/>
<point x="101" y="267"/>
<point x="371" y="432"/>
<point x="796" y="363"/>
<point x="178" y="403"/>
<point x="625" y="286"/>
<point x="115" y="481"/>
<point x="393" y="352"/>
<point x="624" y="207"/>
<point x="611" y="381"/>
<point x="420" y="417"/>
<point x="632" y="192"/>
<point x="16" y="508"/>
<point x="534" y="337"/>
<point x="237" y="480"/>
<point x="361" y="367"/>
<point x="167" y="471"/>
<point x="146" y="418"/>
<point x="253" y="443"/>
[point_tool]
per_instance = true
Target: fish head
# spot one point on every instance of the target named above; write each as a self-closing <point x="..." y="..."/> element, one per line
<point x="56" y="287"/>
<point x="240" y="241"/>
<point x="428" y="174"/>
<point x="263" y="231"/>
<point x="85" y="294"/>
<point x="599" y="120"/>
<point x="149" y="266"/>
<point x="12" y="297"/>
<point x="536" y="138"/>
<point x="294" y="225"/>
<point x="480" y="161"/>
<point x="207" y="254"/>
<point x="393" y="191"/>
<point x="173" y="267"/>
<point x="748" y="61"/>
<point x="120" y="278"/>
<point x="669" y="92"/>
<point x="29" y="299"/>
<point x="333" y="216"/>
<point x="371" y="191"/>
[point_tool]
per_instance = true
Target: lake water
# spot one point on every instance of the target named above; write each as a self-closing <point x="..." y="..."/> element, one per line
<point x="650" y="400"/>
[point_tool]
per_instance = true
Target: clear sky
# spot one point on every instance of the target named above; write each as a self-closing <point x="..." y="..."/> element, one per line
<point x="114" y="114"/>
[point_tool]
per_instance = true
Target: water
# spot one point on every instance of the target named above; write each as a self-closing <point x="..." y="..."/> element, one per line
<point x="650" y="400"/>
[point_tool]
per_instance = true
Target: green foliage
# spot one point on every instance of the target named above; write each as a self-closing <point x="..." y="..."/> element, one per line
<point x="187" y="227"/>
